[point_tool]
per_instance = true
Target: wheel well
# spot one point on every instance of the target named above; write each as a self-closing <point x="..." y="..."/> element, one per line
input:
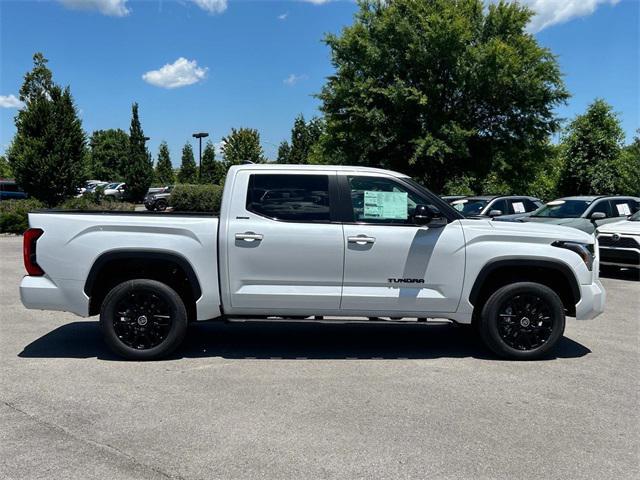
<point x="558" y="278"/>
<point x="115" y="268"/>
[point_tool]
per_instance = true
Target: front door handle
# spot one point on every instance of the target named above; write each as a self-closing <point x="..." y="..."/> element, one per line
<point x="249" y="237"/>
<point x="361" y="240"/>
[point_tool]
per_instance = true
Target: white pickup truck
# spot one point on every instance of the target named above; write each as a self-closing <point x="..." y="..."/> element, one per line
<point x="311" y="241"/>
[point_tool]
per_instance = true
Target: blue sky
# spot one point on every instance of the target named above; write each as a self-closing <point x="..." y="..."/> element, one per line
<point x="258" y="63"/>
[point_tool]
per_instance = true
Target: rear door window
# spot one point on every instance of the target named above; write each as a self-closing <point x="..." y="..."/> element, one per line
<point x="292" y="198"/>
<point x="622" y="207"/>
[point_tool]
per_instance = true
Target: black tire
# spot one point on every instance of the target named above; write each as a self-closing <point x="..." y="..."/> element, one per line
<point x="131" y="303"/>
<point x="161" y="205"/>
<point x="522" y="321"/>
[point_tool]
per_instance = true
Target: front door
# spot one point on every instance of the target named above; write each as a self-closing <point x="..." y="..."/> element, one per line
<point x="284" y="253"/>
<point x="391" y="265"/>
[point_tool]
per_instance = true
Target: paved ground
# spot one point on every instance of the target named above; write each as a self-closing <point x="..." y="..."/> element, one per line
<point x="304" y="401"/>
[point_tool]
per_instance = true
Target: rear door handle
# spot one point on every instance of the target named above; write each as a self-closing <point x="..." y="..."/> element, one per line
<point x="249" y="237"/>
<point x="361" y="239"/>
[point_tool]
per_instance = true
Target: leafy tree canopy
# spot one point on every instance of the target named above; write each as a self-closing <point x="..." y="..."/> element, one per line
<point x="242" y="145"/>
<point x="591" y="150"/>
<point x="109" y="153"/>
<point x="5" y="168"/>
<point x="439" y="89"/>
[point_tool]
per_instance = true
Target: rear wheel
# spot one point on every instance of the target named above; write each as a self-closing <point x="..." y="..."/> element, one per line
<point x="522" y="321"/>
<point x="143" y="320"/>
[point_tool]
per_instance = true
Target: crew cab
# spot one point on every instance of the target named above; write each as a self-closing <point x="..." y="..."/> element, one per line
<point x="297" y="241"/>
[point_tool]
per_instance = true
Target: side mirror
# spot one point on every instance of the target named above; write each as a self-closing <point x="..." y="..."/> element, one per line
<point x="428" y="215"/>
<point x="595" y="216"/>
<point x="495" y="213"/>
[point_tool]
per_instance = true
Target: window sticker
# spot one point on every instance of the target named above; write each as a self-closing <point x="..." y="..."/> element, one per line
<point x="623" y="209"/>
<point x="518" y="207"/>
<point x="385" y="205"/>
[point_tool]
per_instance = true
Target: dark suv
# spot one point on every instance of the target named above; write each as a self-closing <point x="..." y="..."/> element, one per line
<point x="158" y="198"/>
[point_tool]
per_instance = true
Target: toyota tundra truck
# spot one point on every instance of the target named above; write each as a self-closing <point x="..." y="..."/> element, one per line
<point x="314" y="242"/>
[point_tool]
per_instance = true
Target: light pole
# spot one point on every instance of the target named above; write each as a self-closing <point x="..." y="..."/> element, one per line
<point x="200" y="136"/>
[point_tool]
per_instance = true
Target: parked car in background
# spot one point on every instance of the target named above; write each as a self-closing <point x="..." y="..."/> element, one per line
<point x="115" y="190"/>
<point x="496" y="205"/>
<point x="89" y="186"/>
<point x="9" y="190"/>
<point x="452" y="198"/>
<point x="620" y="243"/>
<point x="585" y="213"/>
<point x="158" y="198"/>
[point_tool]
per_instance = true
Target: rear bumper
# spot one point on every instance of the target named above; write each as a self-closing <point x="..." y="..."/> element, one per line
<point x="41" y="293"/>
<point x="592" y="301"/>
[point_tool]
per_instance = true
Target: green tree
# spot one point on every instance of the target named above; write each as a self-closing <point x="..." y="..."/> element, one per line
<point x="47" y="154"/>
<point x="439" y="89"/>
<point x="242" y="145"/>
<point x="164" y="168"/>
<point x="138" y="169"/>
<point x="284" y="152"/>
<point x="628" y="183"/>
<point x="212" y="171"/>
<point x="591" y="149"/>
<point x="188" y="172"/>
<point x="108" y="155"/>
<point x="5" y="168"/>
<point x="304" y="136"/>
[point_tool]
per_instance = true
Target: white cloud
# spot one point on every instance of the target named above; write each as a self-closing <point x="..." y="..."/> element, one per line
<point x="283" y="16"/>
<point x="10" y="101"/>
<point x="551" y="12"/>
<point x="212" y="6"/>
<point x="317" y="2"/>
<point x="113" y="8"/>
<point x="180" y="73"/>
<point x="292" y="79"/>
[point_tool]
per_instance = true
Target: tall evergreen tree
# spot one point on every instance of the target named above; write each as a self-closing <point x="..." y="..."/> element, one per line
<point x="211" y="170"/>
<point x="591" y="150"/>
<point x="188" y="172"/>
<point x="138" y="170"/>
<point x="47" y="154"/>
<point x="242" y="145"/>
<point x="164" y="169"/>
<point x="284" y="152"/>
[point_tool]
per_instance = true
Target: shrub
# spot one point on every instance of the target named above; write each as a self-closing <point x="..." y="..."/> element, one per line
<point x="13" y="214"/>
<point x="196" y="198"/>
<point x="93" y="202"/>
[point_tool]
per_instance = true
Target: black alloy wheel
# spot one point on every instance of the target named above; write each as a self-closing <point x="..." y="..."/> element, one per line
<point x="522" y="321"/>
<point x="143" y="319"/>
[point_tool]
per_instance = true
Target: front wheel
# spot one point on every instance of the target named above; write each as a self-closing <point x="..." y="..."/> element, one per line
<point x="522" y="321"/>
<point x="143" y="320"/>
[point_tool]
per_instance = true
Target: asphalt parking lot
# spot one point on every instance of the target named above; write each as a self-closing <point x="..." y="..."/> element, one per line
<point x="297" y="401"/>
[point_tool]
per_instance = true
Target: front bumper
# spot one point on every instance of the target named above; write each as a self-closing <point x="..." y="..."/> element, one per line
<point x="592" y="300"/>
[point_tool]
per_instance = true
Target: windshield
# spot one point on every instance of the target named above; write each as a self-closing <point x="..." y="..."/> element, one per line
<point x="470" y="207"/>
<point x="562" y="209"/>
<point x="635" y="217"/>
<point x="112" y="186"/>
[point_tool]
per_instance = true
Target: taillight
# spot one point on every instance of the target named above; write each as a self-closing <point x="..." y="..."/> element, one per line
<point x="29" y="251"/>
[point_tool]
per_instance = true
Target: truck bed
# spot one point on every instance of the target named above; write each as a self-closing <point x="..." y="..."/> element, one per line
<point x="73" y="241"/>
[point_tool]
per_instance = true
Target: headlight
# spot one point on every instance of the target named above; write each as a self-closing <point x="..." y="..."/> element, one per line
<point x="585" y="250"/>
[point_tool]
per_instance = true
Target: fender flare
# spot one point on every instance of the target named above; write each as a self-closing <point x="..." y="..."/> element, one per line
<point x="557" y="266"/>
<point x="104" y="259"/>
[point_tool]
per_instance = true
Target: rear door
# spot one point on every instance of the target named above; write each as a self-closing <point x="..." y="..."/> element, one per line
<point x="285" y="251"/>
<point x="392" y="266"/>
